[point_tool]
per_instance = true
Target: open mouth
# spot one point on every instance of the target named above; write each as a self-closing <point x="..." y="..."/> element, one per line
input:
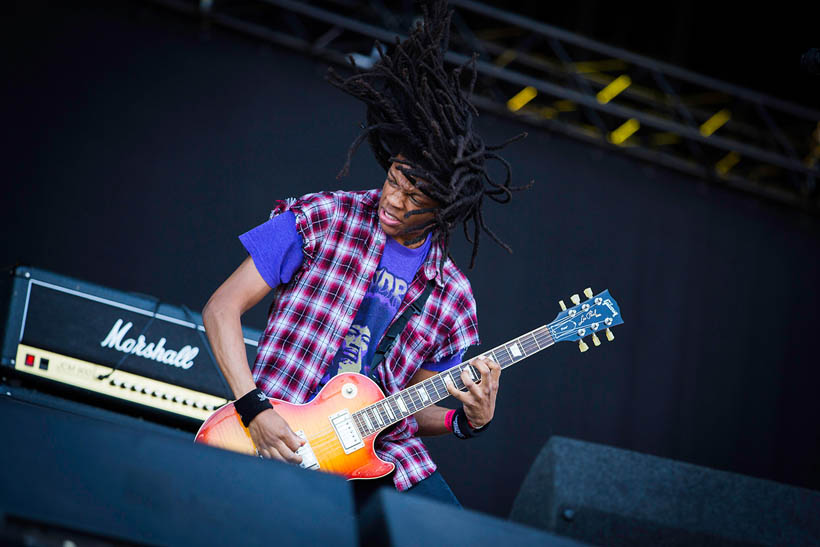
<point x="387" y="218"/>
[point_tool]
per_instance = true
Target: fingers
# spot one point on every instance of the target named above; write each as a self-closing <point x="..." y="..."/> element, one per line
<point x="451" y="389"/>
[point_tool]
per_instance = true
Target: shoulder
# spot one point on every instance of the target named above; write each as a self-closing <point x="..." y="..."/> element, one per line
<point x="328" y="203"/>
<point x="457" y="290"/>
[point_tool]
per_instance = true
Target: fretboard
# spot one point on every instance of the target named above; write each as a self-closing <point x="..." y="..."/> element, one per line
<point x="400" y="405"/>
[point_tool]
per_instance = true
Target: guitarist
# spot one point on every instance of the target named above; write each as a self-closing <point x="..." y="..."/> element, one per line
<point x="346" y="265"/>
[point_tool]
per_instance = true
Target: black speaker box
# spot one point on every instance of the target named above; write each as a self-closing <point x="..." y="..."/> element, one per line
<point x="610" y="496"/>
<point x="400" y="520"/>
<point x="65" y="476"/>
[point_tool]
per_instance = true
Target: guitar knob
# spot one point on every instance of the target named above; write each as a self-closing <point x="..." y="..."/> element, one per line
<point x="575" y="299"/>
<point x="563" y="306"/>
<point x="596" y="340"/>
<point x="588" y="292"/>
<point x="609" y="335"/>
<point x="582" y="345"/>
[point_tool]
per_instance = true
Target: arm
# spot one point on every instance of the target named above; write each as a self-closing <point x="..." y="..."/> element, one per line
<point x="221" y="316"/>
<point x="478" y="400"/>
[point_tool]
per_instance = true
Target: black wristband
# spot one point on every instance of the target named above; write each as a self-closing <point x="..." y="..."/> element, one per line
<point x="461" y="427"/>
<point x="251" y="404"/>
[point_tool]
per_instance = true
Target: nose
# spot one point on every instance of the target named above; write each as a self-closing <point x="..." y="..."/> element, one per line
<point x="396" y="198"/>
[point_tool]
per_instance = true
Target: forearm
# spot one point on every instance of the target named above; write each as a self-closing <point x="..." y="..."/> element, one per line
<point x="431" y="421"/>
<point x="224" y="330"/>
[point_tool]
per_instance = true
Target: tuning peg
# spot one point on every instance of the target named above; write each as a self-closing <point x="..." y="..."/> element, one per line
<point x="563" y="306"/>
<point x="595" y="339"/>
<point x="609" y="335"/>
<point x="582" y="345"/>
<point x="575" y="299"/>
<point x="588" y="292"/>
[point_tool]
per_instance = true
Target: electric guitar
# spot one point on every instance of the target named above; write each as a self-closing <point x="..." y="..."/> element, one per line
<point x="341" y="423"/>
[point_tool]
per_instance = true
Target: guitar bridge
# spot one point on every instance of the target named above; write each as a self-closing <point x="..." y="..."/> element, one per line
<point x="346" y="431"/>
<point x="308" y="457"/>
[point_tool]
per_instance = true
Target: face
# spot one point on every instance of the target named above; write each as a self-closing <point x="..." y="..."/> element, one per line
<point x="357" y="341"/>
<point x="399" y="197"/>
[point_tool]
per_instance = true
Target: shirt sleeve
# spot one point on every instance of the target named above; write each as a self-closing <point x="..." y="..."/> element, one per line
<point x="314" y="214"/>
<point x="275" y="248"/>
<point x="444" y="364"/>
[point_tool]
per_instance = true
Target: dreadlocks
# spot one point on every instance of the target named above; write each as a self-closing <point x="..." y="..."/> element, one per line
<point x="417" y="109"/>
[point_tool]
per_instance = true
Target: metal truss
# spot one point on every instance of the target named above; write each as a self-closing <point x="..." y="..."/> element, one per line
<point x="549" y="77"/>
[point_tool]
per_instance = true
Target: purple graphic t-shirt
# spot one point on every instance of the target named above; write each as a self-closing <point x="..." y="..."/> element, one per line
<point x="380" y="304"/>
<point x="276" y="249"/>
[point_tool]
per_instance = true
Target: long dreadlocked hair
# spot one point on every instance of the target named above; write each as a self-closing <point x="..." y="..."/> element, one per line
<point x="417" y="109"/>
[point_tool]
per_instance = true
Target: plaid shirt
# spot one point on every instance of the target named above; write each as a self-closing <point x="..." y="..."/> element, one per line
<point x="343" y="244"/>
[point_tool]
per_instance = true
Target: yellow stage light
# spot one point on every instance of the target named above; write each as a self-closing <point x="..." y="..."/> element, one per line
<point x="614" y="88"/>
<point x="625" y="131"/>
<point x="715" y="122"/>
<point x="728" y="161"/>
<point x="521" y="98"/>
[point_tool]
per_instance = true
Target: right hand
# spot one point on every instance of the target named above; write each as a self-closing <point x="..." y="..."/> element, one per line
<point x="274" y="438"/>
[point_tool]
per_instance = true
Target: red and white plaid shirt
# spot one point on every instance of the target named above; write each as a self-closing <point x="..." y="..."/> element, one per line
<point x="310" y="315"/>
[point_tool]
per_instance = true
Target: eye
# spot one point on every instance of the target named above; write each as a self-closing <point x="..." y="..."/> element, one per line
<point x="416" y="200"/>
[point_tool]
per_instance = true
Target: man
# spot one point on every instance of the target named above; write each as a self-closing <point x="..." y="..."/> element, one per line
<point x="346" y="265"/>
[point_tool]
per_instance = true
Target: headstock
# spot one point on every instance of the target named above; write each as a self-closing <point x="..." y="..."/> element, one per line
<point x="587" y="318"/>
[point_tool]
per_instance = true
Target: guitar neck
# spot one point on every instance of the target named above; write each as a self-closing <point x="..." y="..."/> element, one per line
<point x="398" y="406"/>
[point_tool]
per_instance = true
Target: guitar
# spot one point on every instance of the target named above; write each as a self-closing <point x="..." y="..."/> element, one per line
<point x="341" y="423"/>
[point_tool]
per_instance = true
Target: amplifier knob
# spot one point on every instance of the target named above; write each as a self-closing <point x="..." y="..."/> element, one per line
<point x="196" y="404"/>
<point x="208" y="407"/>
<point x="136" y="387"/>
<point x="146" y="390"/>
<point x="165" y="396"/>
<point x="177" y="398"/>
<point x="155" y="393"/>
<point x="187" y="402"/>
<point x="125" y="385"/>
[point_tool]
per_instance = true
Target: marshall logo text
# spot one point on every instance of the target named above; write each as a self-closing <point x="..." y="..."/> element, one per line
<point x="157" y="352"/>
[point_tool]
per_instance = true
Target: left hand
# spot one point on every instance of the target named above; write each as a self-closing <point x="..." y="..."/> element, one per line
<point x="479" y="399"/>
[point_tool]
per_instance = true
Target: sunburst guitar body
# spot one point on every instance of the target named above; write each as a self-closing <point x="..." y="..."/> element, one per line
<point x="326" y="423"/>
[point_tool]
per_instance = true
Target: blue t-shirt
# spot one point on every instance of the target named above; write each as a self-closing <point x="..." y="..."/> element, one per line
<point x="276" y="249"/>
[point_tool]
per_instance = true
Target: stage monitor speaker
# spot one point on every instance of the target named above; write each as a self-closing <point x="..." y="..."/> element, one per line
<point x="63" y="475"/>
<point x="409" y="520"/>
<point x="610" y="496"/>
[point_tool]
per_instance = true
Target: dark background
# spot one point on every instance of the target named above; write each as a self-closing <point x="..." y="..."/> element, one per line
<point x="138" y="146"/>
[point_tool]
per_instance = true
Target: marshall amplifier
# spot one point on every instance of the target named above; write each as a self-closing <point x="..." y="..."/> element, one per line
<point x="123" y="347"/>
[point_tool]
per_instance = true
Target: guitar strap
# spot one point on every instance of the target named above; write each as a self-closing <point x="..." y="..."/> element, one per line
<point x="392" y="334"/>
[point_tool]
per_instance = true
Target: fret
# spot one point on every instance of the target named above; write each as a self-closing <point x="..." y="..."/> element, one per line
<point x="438" y="386"/>
<point x="389" y="411"/>
<point x="374" y="413"/>
<point x="410" y="401"/>
<point x="515" y="350"/>
<point x="367" y="420"/>
<point x="429" y="390"/>
<point x="400" y="403"/>
<point x="505" y="359"/>
<point x="401" y="411"/>
<point x="422" y="394"/>
<point x="534" y="341"/>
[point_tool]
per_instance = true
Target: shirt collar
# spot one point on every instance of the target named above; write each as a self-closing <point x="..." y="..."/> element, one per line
<point x="430" y="269"/>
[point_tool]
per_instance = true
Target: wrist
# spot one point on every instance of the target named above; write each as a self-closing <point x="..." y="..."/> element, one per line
<point x="250" y="405"/>
<point x="462" y="428"/>
<point x="448" y="419"/>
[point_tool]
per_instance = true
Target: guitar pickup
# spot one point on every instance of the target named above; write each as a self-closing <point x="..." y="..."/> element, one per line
<point x="346" y="431"/>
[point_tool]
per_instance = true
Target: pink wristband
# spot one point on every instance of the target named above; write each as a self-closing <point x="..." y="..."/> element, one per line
<point x="448" y="420"/>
